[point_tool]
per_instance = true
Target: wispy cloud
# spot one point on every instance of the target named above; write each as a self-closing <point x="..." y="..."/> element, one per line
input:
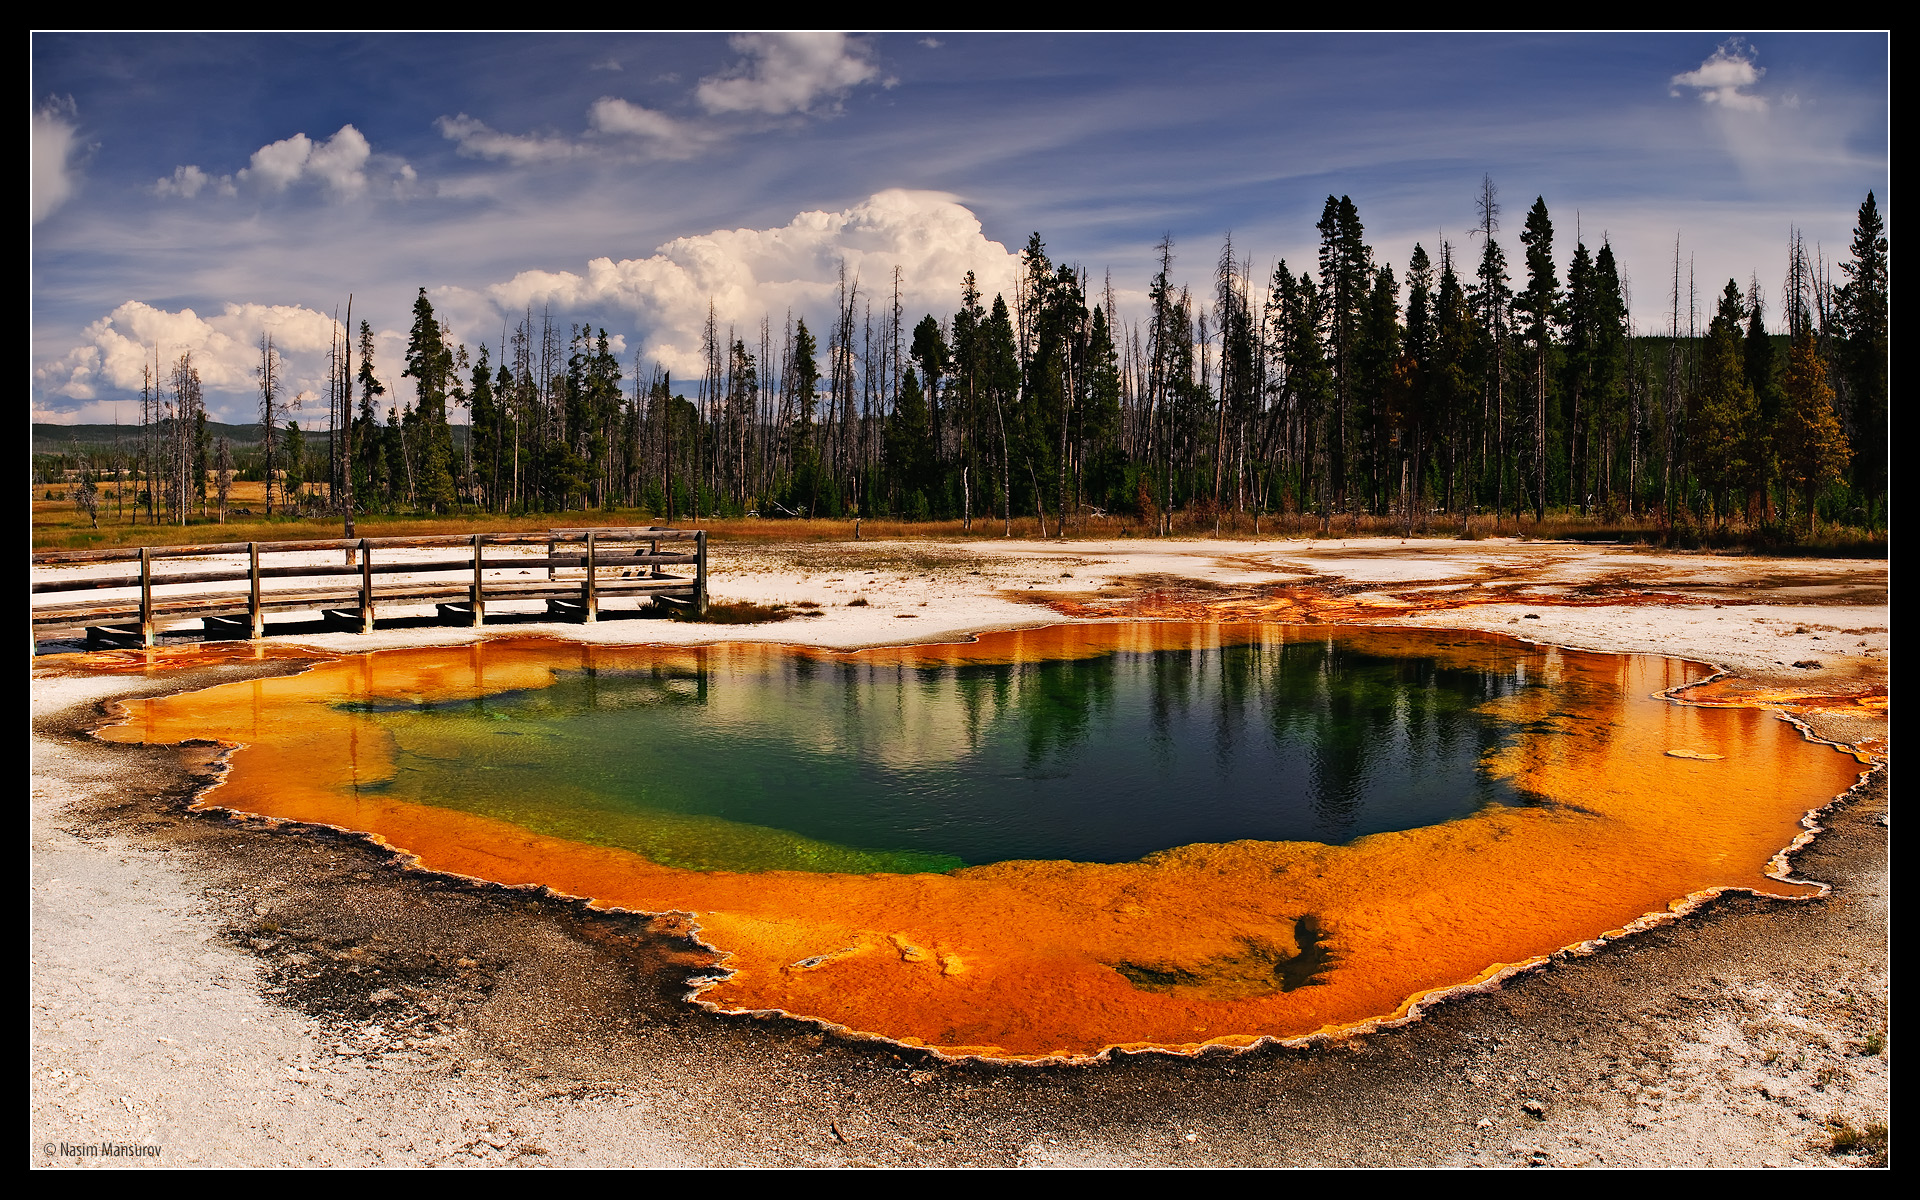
<point x="782" y="73"/>
<point x="1724" y="77"/>
<point x="778" y="75"/>
<point x="477" y="139"/>
<point x="54" y="142"/>
<point x="663" y="134"/>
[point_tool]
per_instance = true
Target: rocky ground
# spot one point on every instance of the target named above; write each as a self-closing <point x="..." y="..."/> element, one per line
<point x="237" y="996"/>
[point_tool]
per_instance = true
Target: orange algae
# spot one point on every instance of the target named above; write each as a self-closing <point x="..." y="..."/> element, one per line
<point x="1222" y="944"/>
<point x="158" y="659"/>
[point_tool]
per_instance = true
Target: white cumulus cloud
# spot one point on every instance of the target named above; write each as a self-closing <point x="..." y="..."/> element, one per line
<point x="54" y="141"/>
<point x="1724" y="77"/>
<point x="786" y="72"/>
<point x="225" y="349"/>
<point x="746" y="273"/>
<point x="344" y="164"/>
<point x="189" y="181"/>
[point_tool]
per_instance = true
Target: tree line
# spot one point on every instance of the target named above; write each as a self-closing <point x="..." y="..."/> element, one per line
<point x="1468" y="388"/>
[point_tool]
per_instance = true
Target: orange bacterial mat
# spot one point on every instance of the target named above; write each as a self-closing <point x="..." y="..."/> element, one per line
<point x="1649" y="803"/>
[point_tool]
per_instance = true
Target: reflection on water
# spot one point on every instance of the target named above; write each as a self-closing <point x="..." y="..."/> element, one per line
<point x="861" y="765"/>
<point x="1381" y="785"/>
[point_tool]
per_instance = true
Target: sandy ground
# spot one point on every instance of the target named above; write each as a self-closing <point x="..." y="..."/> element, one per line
<point x="208" y="992"/>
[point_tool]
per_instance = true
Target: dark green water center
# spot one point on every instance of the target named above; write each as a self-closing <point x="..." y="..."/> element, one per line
<point x="782" y="760"/>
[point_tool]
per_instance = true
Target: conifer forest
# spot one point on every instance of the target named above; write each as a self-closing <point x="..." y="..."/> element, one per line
<point x="1473" y="386"/>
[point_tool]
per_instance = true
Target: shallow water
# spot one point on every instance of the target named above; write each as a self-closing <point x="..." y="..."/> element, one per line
<point x="1292" y="829"/>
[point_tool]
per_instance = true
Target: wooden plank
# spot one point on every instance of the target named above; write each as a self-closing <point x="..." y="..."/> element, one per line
<point x="601" y="548"/>
<point x="612" y="533"/>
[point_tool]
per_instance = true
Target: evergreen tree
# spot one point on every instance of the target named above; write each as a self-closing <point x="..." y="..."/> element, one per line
<point x="1604" y="363"/>
<point x="430" y="365"/>
<point x="1862" y="308"/>
<point x="929" y="352"/>
<point x="368" y="437"/>
<point x="1812" y="447"/>
<point x="483" y="434"/>
<point x="1492" y="307"/>
<point x="296" y="455"/>
<point x="1540" y="305"/>
<point x="1724" y="411"/>
<point x="1345" y="268"/>
<point x="1000" y="389"/>
<point x="1416" y="370"/>
<point x="1100" y="424"/>
<point x="1380" y="402"/>
<point x="909" y="448"/>
<point x="1449" y="381"/>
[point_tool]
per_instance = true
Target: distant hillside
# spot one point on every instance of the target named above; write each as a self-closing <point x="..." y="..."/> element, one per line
<point x="93" y="439"/>
<point x="88" y="439"/>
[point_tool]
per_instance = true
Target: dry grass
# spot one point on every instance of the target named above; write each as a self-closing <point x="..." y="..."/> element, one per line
<point x="1869" y="1143"/>
<point x="736" y="612"/>
<point x="58" y="524"/>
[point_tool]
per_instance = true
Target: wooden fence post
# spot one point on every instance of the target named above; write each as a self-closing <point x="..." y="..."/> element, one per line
<point x="366" y="587"/>
<point x="479" y="601"/>
<point x="146" y="596"/>
<point x="256" y="619"/>
<point x="700" y="574"/>
<point x="590" y="595"/>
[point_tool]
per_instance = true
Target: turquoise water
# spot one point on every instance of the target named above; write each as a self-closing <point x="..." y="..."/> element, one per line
<point x="780" y="759"/>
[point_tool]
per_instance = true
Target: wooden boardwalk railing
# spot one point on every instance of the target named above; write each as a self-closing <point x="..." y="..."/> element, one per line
<point x="582" y="567"/>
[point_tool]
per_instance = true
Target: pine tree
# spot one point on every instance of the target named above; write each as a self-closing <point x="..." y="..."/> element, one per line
<point x="1000" y="385"/>
<point x="909" y="449"/>
<point x="268" y="376"/>
<point x="1606" y="360"/>
<point x="1449" y="382"/>
<point x="374" y="481"/>
<point x="1540" y="304"/>
<point x="1345" y="270"/>
<point x="929" y="352"/>
<point x="430" y="365"/>
<point x="1492" y="308"/>
<point x="1100" y="423"/>
<point x="1724" y="410"/>
<point x="1812" y="447"/>
<point x="296" y="455"/>
<point x="1862" y="304"/>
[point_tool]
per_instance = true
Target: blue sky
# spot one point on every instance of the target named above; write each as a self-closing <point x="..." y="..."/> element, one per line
<point x="191" y="191"/>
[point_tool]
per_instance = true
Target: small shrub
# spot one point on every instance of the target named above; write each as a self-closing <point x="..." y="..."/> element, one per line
<point x="1869" y="1143"/>
<point x="734" y="612"/>
<point x="857" y="602"/>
